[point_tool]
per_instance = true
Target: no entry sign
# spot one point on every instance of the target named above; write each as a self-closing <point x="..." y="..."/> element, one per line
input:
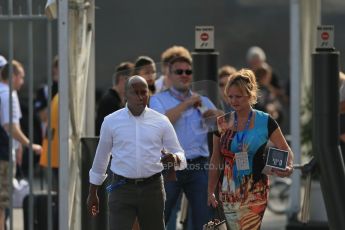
<point x="204" y="37"/>
<point x="325" y="37"/>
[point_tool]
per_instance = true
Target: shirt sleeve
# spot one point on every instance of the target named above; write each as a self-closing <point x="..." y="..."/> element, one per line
<point x="97" y="173"/>
<point x="3" y="113"/>
<point x="171" y="144"/>
<point x="156" y="104"/>
<point x="272" y="125"/>
<point x="5" y="108"/>
<point x="17" y="113"/>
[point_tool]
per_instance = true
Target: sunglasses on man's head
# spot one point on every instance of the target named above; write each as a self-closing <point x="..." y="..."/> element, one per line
<point x="181" y="71"/>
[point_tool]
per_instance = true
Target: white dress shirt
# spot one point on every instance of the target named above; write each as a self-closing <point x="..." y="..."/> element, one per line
<point x="135" y="144"/>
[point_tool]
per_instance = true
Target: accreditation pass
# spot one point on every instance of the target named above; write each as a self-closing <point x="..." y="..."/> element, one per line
<point x="242" y="162"/>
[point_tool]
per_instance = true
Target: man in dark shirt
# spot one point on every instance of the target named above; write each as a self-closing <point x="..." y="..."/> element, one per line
<point x="113" y="99"/>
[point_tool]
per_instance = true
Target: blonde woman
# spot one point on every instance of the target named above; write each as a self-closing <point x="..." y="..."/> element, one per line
<point x="238" y="155"/>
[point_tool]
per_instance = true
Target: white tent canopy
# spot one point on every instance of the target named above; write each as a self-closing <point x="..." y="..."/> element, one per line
<point x="76" y="90"/>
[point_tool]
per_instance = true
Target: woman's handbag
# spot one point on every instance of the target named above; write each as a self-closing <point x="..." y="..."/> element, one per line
<point x="217" y="224"/>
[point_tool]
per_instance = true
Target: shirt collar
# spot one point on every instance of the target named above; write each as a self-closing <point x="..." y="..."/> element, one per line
<point x="131" y="115"/>
<point x="178" y="95"/>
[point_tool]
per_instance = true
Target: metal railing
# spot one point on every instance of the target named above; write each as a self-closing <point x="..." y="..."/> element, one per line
<point x="12" y="13"/>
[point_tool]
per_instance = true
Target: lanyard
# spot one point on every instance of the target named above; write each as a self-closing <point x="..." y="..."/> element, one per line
<point x="240" y="138"/>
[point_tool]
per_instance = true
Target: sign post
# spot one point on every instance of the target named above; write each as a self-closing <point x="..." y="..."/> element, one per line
<point x="205" y="63"/>
<point x="325" y="135"/>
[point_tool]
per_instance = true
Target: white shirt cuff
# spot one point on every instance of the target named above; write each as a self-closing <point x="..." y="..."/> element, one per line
<point x="183" y="163"/>
<point x="96" y="178"/>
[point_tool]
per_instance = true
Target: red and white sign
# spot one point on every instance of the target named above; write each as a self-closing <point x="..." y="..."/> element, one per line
<point x="204" y="37"/>
<point x="325" y="37"/>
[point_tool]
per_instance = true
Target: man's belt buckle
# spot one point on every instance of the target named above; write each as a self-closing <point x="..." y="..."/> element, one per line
<point x="137" y="181"/>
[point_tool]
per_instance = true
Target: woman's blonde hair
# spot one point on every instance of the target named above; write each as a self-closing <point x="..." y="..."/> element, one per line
<point x="245" y="80"/>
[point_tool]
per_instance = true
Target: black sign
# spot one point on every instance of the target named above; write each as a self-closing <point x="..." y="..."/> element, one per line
<point x="277" y="158"/>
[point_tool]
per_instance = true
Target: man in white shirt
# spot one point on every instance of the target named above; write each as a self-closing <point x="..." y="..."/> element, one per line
<point x="135" y="137"/>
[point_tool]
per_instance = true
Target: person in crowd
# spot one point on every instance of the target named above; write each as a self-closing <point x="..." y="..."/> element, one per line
<point x="38" y="134"/>
<point x="54" y="119"/>
<point x="40" y="117"/>
<point x="238" y="155"/>
<point x="188" y="112"/>
<point x="17" y="133"/>
<point x="256" y="58"/>
<point x="144" y="66"/>
<point x="41" y="98"/>
<point x="224" y="73"/>
<point x="268" y="99"/>
<point x="163" y="82"/>
<point x="137" y="161"/>
<point x="114" y="98"/>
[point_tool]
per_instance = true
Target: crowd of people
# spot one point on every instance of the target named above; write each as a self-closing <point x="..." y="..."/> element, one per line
<point x="127" y="135"/>
<point x="154" y="140"/>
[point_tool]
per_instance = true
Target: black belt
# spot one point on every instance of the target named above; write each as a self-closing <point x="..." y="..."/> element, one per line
<point x="197" y="160"/>
<point x="138" y="180"/>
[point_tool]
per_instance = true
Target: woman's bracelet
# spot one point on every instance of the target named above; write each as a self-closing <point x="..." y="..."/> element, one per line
<point x="211" y="194"/>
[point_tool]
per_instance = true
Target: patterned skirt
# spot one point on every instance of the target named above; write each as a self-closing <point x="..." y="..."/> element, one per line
<point x="244" y="218"/>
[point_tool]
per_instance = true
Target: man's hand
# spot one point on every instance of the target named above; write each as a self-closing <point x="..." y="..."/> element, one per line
<point x="194" y="100"/>
<point x="93" y="201"/>
<point x="168" y="159"/>
<point x="37" y="149"/>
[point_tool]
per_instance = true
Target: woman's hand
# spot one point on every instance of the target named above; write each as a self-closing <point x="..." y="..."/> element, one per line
<point x="211" y="200"/>
<point x="284" y="173"/>
<point x="279" y="141"/>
